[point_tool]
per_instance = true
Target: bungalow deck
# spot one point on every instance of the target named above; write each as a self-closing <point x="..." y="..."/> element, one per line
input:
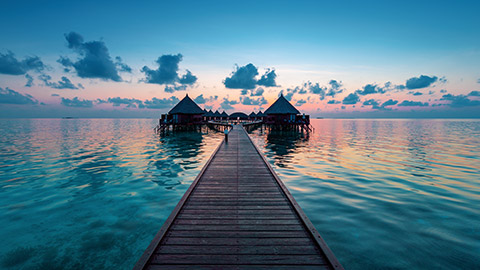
<point x="237" y="214"/>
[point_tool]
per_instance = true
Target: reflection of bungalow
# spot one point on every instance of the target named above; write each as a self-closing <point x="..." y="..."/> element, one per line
<point x="281" y="112"/>
<point x="185" y="112"/>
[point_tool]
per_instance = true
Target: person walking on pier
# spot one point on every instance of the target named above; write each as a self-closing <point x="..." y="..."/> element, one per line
<point x="226" y="135"/>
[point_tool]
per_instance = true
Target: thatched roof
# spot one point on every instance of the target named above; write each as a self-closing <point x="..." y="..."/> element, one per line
<point x="252" y="114"/>
<point x="238" y="114"/>
<point x="186" y="106"/>
<point x="261" y="114"/>
<point x="216" y="114"/>
<point x="224" y="114"/>
<point x="282" y="106"/>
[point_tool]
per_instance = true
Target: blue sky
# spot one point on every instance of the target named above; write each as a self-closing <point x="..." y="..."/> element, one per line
<point x="308" y="44"/>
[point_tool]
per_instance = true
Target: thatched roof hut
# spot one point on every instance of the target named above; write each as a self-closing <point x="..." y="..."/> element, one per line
<point x="186" y="106"/>
<point x="238" y="115"/>
<point x="282" y="106"/>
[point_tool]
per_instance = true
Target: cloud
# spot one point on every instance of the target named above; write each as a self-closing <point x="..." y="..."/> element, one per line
<point x="242" y="78"/>
<point x="9" y="96"/>
<point x="163" y="103"/>
<point x="474" y="94"/>
<point x="55" y="95"/>
<point x="460" y="101"/>
<point x="371" y="89"/>
<point x="316" y="89"/>
<point x="333" y="101"/>
<point x="130" y="102"/>
<point x="443" y="91"/>
<point x="245" y="78"/>
<point x="64" y="83"/>
<point x="29" y="82"/>
<point x="335" y="88"/>
<point x="389" y="102"/>
<point x="257" y="93"/>
<point x="268" y="79"/>
<point x="76" y="102"/>
<point x="351" y="99"/>
<point x="300" y="102"/>
<point x="478" y="81"/>
<point x="201" y="100"/>
<point x="10" y="65"/>
<point x="410" y="103"/>
<point x="167" y="73"/>
<point x="251" y="101"/>
<point x="227" y="104"/>
<point x="371" y="102"/>
<point x="94" y="59"/>
<point x="416" y="93"/>
<point x="421" y="82"/>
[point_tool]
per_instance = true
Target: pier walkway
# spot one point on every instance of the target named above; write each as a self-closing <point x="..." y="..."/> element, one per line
<point x="237" y="214"/>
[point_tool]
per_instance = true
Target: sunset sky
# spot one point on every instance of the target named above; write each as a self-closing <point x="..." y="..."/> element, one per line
<point x="331" y="59"/>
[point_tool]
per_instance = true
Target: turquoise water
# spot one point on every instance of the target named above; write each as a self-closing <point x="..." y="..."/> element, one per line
<point x="92" y="193"/>
<point x="387" y="194"/>
<point x="89" y="193"/>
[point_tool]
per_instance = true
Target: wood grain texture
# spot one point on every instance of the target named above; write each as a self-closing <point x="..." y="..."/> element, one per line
<point x="236" y="215"/>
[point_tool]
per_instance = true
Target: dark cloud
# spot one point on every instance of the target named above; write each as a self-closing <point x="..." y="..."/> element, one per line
<point x="377" y="106"/>
<point x="316" y="89"/>
<point x="334" y="88"/>
<point x="9" y="96"/>
<point x="371" y="102"/>
<point x="389" y="102"/>
<point x="163" y="103"/>
<point x="252" y="101"/>
<point x="242" y="78"/>
<point x="460" y="101"/>
<point x="55" y="95"/>
<point x="29" y="82"/>
<point x="300" y="102"/>
<point x="411" y="103"/>
<point x="258" y="92"/>
<point x="64" y="83"/>
<point x="421" y="82"/>
<point x="167" y="73"/>
<point x="227" y="104"/>
<point x="201" y="100"/>
<point x="443" y="91"/>
<point x="130" y="102"/>
<point x="474" y="94"/>
<point x="333" y="101"/>
<point x="351" y="99"/>
<point x="245" y="78"/>
<point x="94" y="59"/>
<point x="371" y="89"/>
<point x="76" y="102"/>
<point x="122" y="66"/>
<point x="268" y="79"/>
<point x="10" y="65"/>
<point x="416" y="93"/>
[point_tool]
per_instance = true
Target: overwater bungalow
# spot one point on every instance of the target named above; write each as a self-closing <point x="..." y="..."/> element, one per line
<point x="283" y="115"/>
<point x="217" y="116"/>
<point x="252" y="116"/>
<point x="185" y="115"/>
<point x="224" y="116"/>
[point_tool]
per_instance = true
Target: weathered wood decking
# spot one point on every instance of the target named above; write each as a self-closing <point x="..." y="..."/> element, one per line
<point x="237" y="214"/>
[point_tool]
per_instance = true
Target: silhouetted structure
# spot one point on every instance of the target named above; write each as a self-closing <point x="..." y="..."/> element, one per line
<point x="186" y="115"/>
<point x="283" y="115"/>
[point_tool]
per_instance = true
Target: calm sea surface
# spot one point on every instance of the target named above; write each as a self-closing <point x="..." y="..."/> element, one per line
<point x="92" y="193"/>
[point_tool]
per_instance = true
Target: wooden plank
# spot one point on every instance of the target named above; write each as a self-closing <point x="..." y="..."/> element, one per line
<point x="237" y="259"/>
<point x="238" y="227"/>
<point x="238" y="233"/>
<point x="237" y="214"/>
<point x="237" y="241"/>
<point x="258" y="250"/>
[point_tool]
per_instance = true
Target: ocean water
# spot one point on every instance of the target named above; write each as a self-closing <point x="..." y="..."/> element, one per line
<point x="387" y="194"/>
<point x="92" y="193"/>
<point x="89" y="193"/>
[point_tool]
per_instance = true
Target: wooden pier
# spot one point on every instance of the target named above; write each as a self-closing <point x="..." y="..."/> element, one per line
<point x="237" y="214"/>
